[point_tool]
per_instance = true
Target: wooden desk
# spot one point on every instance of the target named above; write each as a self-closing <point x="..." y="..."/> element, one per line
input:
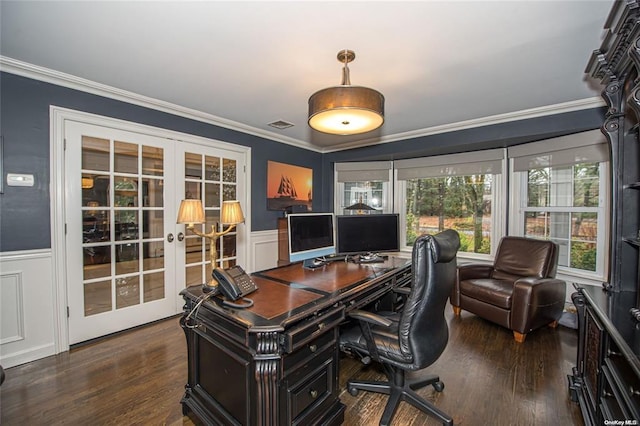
<point x="276" y="363"/>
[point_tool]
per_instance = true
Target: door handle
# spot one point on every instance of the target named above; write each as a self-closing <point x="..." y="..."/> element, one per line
<point x="180" y="236"/>
<point x="170" y="237"/>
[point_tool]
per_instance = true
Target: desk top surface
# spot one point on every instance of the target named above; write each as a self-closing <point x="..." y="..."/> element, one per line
<point x="291" y="291"/>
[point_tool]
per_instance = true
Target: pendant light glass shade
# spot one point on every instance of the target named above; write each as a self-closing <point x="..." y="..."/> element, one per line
<point x="346" y="109"/>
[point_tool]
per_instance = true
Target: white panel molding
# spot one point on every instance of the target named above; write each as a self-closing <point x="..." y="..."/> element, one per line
<point x="28" y="329"/>
<point x="264" y="250"/>
<point x="12" y="316"/>
<point x="27" y="355"/>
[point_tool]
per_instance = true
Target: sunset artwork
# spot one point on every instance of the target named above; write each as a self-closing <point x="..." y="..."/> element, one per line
<point x="288" y="185"/>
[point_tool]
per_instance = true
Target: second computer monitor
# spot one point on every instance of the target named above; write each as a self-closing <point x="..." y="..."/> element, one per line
<point x="361" y="234"/>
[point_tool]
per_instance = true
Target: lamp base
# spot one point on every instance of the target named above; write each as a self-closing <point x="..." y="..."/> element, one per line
<point x="211" y="286"/>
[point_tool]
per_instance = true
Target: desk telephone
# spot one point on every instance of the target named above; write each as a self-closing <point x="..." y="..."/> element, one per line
<point x="234" y="283"/>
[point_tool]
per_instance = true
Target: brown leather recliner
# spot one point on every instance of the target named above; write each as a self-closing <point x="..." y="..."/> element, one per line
<point x="519" y="291"/>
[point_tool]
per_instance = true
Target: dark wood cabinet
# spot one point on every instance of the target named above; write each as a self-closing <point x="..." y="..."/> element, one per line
<point x="606" y="378"/>
<point x="277" y="362"/>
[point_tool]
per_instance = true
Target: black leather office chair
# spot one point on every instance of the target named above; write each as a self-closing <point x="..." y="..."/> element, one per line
<point x="414" y="338"/>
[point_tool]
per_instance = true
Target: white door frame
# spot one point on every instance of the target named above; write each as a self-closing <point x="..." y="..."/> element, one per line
<point x="57" y="118"/>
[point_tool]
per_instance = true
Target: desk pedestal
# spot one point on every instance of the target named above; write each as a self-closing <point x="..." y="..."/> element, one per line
<point x="270" y="365"/>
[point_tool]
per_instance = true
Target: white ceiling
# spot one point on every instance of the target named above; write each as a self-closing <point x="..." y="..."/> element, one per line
<point x="441" y="65"/>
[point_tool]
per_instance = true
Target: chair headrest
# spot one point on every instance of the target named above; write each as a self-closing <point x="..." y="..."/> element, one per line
<point x="444" y="245"/>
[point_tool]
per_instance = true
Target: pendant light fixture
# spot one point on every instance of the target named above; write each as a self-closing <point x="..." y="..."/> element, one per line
<point x="346" y="109"/>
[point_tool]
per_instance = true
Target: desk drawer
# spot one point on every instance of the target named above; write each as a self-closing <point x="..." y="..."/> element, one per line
<point x="624" y="378"/>
<point x="309" y="350"/>
<point x="364" y="298"/>
<point x="311" y="389"/>
<point x="310" y="329"/>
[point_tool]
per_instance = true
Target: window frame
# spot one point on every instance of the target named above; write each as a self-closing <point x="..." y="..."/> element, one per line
<point x="498" y="208"/>
<point x="362" y="169"/>
<point x="519" y="208"/>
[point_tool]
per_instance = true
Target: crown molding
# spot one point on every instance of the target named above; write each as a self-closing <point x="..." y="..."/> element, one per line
<point x="35" y="72"/>
<point x="24" y="69"/>
<point x="581" y="104"/>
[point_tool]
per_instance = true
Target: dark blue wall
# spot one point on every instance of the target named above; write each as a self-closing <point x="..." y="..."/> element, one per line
<point x="24" y="126"/>
<point x="477" y="138"/>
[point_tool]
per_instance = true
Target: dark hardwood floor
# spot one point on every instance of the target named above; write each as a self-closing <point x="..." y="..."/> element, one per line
<point x="137" y="378"/>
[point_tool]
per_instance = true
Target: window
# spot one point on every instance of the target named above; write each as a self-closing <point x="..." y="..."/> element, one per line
<point x="559" y="190"/>
<point x="463" y="203"/>
<point x="460" y="192"/>
<point x="363" y="188"/>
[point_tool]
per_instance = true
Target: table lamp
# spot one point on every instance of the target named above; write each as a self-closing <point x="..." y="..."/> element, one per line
<point x="192" y="212"/>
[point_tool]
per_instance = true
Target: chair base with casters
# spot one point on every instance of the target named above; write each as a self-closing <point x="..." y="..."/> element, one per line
<point x="400" y="388"/>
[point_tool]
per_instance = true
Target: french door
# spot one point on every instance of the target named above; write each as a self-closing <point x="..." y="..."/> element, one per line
<point x="126" y="258"/>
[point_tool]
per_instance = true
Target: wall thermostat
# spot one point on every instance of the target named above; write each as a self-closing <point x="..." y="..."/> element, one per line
<point x="15" y="179"/>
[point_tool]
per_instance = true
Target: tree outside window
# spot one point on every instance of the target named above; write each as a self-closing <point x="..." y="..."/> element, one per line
<point x="463" y="203"/>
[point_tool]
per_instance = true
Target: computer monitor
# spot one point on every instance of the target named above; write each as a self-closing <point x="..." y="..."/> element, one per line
<point x="310" y="236"/>
<point x="364" y="234"/>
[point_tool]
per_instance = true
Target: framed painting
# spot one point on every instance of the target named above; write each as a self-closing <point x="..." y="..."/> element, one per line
<point x="288" y="185"/>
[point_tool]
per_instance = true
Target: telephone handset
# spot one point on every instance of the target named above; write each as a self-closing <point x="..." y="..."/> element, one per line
<point x="234" y="283"/>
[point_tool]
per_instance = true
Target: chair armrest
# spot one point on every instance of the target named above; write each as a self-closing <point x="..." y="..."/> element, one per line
<point x="537" y="284"/>
<point x="474" y="270"/>
<point x="370" y="318"/>
<point x="402" y="290"/>
<point x="536" y="301"/>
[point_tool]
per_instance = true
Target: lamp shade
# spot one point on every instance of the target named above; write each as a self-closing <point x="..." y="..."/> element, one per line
<point x="231" y="213"/>
<point x="346" y="110"/>
<point x="190" y="212"/>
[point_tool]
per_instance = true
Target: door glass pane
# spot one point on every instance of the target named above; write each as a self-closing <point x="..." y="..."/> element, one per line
<point x="126" y="258"/>
<point x="229" y="170"/>
<point x="152" y="161"/>
<point x="95" y="153"/>
<point x="212" y="195"/>
<point x="153" y="286"/>
<point x="153" y="255"/>
<point x="153" y="223"/>
<point x="193" y="252"/>
<point x="212" y="165"/>
<point x="95" y="190"/>
<point x="97" y="262"/>
<point x="125" y="192"/>
<point x="228" y="192"/>
<point x="229" y="244"/>
<point x="193" y="275"/>
<point x="97" y="297"/>
<point x="192" y="190"/>
<point x="125" y="159"/>
<point x="193" y="165"/>
<point x="127" y="292"/>
<point x="95" y="226"/>
<point x="126" y="224"/>
<point x="152" y="193"/>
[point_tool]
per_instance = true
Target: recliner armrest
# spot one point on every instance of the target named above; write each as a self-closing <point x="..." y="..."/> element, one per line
<point x="536" y="301"/>
<point x="474" y="270"/>
<point x="370" y="318"/>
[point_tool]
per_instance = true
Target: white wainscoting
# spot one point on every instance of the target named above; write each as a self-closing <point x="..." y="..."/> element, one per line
<point x="27" y="302"/>
<point x="27" y="319"/>
<point x="263" y="253"/>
